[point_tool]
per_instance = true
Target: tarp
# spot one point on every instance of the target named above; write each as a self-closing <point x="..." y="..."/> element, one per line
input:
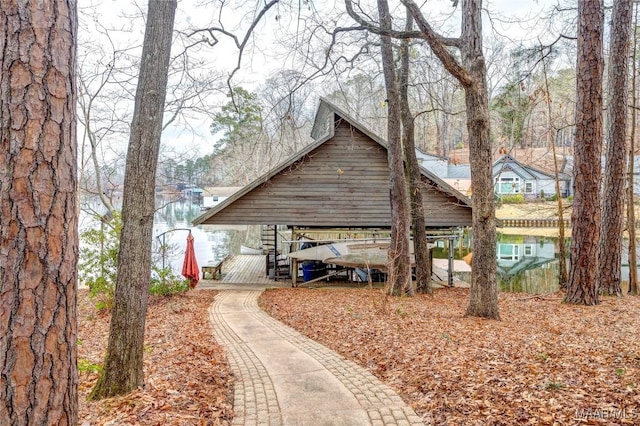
<point x="190" y="268"/>
<point x="365" y="254"/>
<point x="333" y="250"/>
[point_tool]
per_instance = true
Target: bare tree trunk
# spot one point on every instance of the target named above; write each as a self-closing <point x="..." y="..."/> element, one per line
<point x="90" y="135"/>
<point x="399" y="255"/>
<point x="582" y="287"/>
<point x="562" y="250"/>
<point x="98" y="171"/>
<point x="38" y="213"/>
<point x="610" y="251"/>
<point x="631" y="215"/>
<point x="420" y="246"/>
<point x="123" y="368"/>
<point x="483" y="298"/>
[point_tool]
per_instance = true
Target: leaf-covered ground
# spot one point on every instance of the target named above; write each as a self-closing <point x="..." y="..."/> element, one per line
<point x="187" y="377"/>
<point x="544" y="363"/>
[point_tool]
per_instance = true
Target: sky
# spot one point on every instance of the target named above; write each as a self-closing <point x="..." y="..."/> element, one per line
<point x="514" y="19"/>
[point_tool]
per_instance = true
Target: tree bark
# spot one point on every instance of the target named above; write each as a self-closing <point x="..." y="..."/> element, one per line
<point x="123" y="368"/>
<point x="483" y="296"/>
<point x="631" y="215"/>
<point x="582" y="287"/>
<point x="551" y="134"/>
<point x="610" y="251"/>
<point x="399" y="255"/>
<point x="412" y="172"/>
<point x="38" y="213"/>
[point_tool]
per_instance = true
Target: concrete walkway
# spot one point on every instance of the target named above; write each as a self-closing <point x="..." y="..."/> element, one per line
<point x="284" y="378"/>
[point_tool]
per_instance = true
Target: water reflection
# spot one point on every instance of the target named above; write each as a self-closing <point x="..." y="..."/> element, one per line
<point x="211" y="242"/>
<point x="527" y="263"/>
<point x="172" y="223"/>
<point x="524" y="263"/>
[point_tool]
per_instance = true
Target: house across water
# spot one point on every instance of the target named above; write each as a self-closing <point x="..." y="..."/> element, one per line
<point x="510" y="176"/>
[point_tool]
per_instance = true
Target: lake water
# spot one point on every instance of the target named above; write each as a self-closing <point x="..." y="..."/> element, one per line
<point x="171" y="228"/>
<point x="525" y="263"/>
<point x="211" y="243"/>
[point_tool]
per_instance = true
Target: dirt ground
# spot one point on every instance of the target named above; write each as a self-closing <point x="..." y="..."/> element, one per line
<point x="544" y="363"/>
<point x="537" y="210"/>
<point x="187" y="377"/>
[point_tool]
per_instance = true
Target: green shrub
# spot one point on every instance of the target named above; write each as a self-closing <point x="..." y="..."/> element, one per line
<point x="98" y="264"/>
<point x="164" y="282"/>
<point x="512" y="199"/>
<point x="554" y="386"/>
<point x="85" y="365"/>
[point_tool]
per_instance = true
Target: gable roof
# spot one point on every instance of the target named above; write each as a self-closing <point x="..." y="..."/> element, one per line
<point x="523" y="168"/>
<point x="220" y="191"/>
<point x="342" y="177"/>
<point x="458" y="171"/>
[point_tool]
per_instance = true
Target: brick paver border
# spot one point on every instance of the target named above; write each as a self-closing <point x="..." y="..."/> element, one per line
<point x="255" y="401"/>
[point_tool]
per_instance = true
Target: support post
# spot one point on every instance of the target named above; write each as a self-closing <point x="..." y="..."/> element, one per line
<point x="294" y="262"/>
<point x="450" y="271"/>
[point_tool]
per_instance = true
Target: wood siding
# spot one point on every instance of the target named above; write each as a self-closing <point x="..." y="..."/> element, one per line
<point x="342" y="183"/>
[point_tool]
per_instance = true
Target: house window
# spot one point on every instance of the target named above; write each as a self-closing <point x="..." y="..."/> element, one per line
<point x="508" y="252"/>
<point x="529" y="250"/>
<point x="508" y="185"/>
<point x="528" y="187"/>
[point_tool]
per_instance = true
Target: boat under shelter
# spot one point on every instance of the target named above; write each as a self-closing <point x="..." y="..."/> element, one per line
<point x="338" y="184"/>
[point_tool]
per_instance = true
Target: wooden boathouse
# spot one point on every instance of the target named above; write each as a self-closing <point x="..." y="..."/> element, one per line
<point x="340" y="181"/>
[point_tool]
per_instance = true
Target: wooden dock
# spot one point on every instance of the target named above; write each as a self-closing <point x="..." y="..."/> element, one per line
<point x="247" y="271"/>
<point x="244" y="270"/>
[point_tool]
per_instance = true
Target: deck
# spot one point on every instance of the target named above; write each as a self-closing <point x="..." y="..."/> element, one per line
<point x="243" y="270"/>
<point x="247" y="271"/>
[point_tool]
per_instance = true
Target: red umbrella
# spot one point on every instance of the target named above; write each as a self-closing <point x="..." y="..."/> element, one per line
<point x="190" y="265"/>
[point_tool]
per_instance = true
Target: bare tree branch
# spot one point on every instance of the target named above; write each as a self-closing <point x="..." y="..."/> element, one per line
<point x="240" y="45"/>
<point x="375" y="28"/>
<point x="449" y="61"/>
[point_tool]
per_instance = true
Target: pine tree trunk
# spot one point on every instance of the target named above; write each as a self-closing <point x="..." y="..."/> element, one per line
<point x="483" y="297"/>
<point x="582" y="287"/>
<point x="631" y="215"/>
<point x="399" y="255"/>
<point x="614" y="177"/>
<point x="123" y="368"/>
<point x="38" y="213"/>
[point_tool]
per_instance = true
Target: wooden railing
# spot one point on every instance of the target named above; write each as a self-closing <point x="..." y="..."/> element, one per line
<point x="533" y="223"/>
